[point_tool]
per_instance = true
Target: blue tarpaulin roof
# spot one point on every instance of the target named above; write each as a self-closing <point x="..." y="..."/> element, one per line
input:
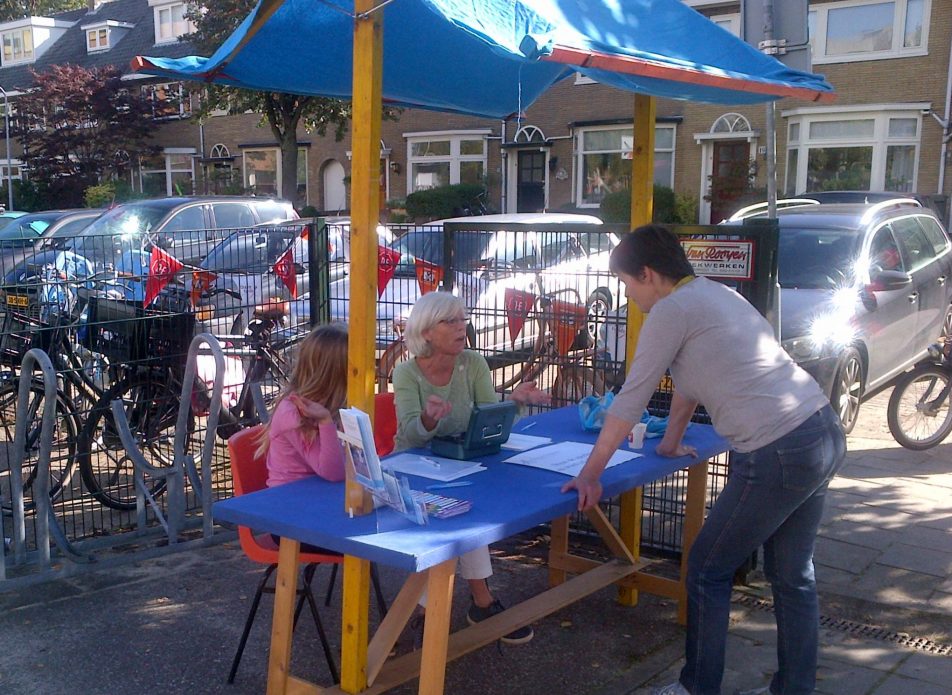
<point x="495" y="57"/>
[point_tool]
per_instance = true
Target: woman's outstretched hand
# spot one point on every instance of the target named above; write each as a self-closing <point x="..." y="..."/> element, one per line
<point x="589" y="490"/>
<point x="527" y="393"/>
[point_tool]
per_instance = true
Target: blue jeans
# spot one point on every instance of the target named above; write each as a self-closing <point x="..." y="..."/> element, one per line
<point x="773" y="497"/>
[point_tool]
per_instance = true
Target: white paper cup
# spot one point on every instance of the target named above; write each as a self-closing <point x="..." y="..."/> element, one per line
<point x="636" y="438"/>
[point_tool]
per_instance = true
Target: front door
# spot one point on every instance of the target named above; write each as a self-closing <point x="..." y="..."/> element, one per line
<point x="530" y="182"/>
<point x="729" y="177"/>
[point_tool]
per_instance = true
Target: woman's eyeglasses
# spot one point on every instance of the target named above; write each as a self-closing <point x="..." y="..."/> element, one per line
<point x="455" y="321"/>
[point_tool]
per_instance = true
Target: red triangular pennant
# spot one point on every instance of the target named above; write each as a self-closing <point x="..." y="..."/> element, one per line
<point x="567" y="319"/>
<point x="428" y="275"/>
<point x="162" y="268"/>
<point x="284" y="269"/>
<point x="518" y="305"/>
<point x="387" y="260"/>
<point x="202" y="281"/>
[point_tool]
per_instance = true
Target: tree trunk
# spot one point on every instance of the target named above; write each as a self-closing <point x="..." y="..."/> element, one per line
<point x="289" y="168"/>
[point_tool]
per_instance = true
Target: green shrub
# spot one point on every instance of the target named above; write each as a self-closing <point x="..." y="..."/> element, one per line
<point x="669" y="207"/>
<point x="101" y="195"/>
<point x="308" y="211"/>
<point x="442" y="202"/>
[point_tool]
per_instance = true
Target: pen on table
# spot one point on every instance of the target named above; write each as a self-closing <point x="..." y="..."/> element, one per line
<point x="444" y="486"/>
<point x="433" y="463"/>
<point x="530" y="425"/>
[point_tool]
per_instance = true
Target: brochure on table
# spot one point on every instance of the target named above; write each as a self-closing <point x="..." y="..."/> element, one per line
<point x="394" y="501"/>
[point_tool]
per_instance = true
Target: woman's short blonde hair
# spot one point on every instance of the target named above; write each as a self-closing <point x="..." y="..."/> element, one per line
<point x="428" y="311"/>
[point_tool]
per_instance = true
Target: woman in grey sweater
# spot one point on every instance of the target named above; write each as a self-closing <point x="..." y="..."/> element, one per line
<point x="787" y="440"/>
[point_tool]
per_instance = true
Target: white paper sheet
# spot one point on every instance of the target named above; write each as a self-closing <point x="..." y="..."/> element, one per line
<point x="566" y="457"/>
<point x="522" y="442"/>
<point x="434" y="467"/>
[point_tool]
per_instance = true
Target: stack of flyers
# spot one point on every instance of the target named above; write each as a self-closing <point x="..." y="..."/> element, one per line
<point x="441" y="507"/>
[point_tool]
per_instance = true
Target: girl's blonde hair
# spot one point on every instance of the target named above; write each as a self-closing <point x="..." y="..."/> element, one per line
<point x="428" y="311"/>
<point x="319" y="373"/>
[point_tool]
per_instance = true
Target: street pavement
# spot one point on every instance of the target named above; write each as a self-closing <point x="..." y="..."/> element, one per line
<point x="170" y="624"/>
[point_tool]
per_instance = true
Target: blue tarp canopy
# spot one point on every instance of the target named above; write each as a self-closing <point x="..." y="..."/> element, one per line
<point x="495" y="57"/>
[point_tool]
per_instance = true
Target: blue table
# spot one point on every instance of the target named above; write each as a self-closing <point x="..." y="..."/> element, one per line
<point x="507" y="499"/>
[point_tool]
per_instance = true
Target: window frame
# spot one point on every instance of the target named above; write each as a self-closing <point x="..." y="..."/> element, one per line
<point x="454" y="158"/>
<point x="580" y="152"/>
<point x="161" y="6"/>
<point x="880" y="141"/>
<point x="95" y="32"/>
<point x="25" y="58"/>
<point x="169" y="170"/>
<point x="303" y="186"/>
<point x="819" y="24"/>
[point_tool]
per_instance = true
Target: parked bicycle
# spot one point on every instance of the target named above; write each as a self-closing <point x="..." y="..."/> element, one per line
<point x="919" y="413"/>
<point x="152" y="394"/>
<point x="51" y="318"/>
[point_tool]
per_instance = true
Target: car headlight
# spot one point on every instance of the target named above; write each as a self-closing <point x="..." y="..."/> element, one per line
<point x="802" y="349"/>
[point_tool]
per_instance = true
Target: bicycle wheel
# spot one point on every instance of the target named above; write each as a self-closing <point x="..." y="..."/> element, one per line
<point x="574" y="382"/>
<point x="62" y="454"/>
<point x="918" y="414"/>
<point x="151" y="405"/>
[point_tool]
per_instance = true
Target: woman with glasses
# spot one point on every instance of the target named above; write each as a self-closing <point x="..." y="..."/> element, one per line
<point x="435" y="392"/>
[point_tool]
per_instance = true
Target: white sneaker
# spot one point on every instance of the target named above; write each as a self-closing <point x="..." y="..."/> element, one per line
<point x="765" y="690"/>
<point x="672" y="689"/>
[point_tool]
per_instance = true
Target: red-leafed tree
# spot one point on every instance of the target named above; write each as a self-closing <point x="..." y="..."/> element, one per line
<point x="77" y="125"/>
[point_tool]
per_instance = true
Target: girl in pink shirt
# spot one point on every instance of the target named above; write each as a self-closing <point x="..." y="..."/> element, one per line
<point x="301" y="438"/>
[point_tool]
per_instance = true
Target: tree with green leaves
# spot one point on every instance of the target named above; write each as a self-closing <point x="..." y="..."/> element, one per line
<point x="78" y="125"/>
<point x="18" y="9"/>
<point x="214" y="21"/>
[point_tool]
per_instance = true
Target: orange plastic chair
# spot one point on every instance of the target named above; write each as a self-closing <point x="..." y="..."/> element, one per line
<point x="385" y="423"/>
<point x="250" y="473"/>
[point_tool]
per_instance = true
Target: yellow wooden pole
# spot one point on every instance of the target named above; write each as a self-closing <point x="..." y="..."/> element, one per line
<point x="364" y="216"/>
<point x="642" y="203"/>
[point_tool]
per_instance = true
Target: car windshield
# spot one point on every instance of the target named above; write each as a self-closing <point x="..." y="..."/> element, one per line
<point x="249" y="251"/>
<point x="23" y="229"/>
<point x="117" y="230"/>
<point x="817" y="258"/>
<point x="427" y="245"/>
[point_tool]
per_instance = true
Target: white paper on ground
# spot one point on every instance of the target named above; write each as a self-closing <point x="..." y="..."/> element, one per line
<point x="434" y="467"/>
<point x="566" y="457"/>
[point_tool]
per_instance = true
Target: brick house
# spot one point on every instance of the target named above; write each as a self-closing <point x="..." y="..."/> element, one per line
<point x="889" y="62"/>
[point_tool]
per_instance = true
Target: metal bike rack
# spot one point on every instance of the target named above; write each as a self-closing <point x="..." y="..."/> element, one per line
<point x="46" y="522"/>
<point x="182" y="463"/>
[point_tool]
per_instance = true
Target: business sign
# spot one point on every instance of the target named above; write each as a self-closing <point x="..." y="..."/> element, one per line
<point x="716" y="258"/>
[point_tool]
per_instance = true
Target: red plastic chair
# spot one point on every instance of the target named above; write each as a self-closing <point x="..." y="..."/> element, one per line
<point x="385" y="423"/>
<point x="250" y="473"/>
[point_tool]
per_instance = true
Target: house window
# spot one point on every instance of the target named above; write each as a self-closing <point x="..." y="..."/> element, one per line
<point x="442" y="159"/>
<point x="854" y="150"/>
<point x="169" y="100"/>
<point x="604" y="161"/>
<point x="262" y="172"/>
<point x="170" y="21"/>
<point x="97" y="39"/>
<point x="168" y="173"/>
<point x="728" y="22"/>
<point x="11" y="170"/>
<point x="17" y="46"/>
<point x="868" y="29"/>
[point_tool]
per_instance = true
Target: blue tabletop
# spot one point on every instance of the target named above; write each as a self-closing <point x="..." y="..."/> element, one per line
<point x="507" y="499"/>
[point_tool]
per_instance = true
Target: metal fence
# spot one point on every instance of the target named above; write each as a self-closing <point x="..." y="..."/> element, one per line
<point x="117" y="315"/>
